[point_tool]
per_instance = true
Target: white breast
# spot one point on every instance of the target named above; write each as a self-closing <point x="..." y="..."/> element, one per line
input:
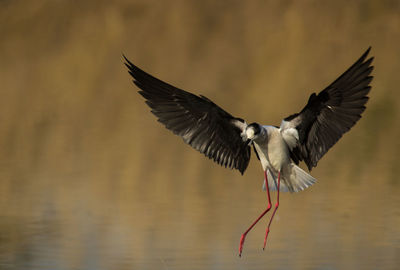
<point x="273" y="150"/>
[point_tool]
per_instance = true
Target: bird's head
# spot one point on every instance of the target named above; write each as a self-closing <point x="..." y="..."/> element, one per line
<point x="253" y="131"/>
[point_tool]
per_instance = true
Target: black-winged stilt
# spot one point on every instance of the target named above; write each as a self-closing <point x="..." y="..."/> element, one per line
<point x="304" y="136"/>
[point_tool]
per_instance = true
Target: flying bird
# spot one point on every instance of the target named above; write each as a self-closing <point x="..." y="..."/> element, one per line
<point x="305" y="136"/>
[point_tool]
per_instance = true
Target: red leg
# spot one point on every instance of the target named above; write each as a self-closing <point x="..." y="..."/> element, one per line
<point x="273" y="213"/>
<point x="254" y="223"/>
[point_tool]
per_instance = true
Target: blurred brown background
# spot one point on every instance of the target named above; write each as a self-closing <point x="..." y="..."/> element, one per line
<point x="90" y="180"/>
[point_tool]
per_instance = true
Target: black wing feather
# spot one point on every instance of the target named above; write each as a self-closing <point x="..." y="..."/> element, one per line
<point x="331" y="113"/>
<point x="199" y="121"/>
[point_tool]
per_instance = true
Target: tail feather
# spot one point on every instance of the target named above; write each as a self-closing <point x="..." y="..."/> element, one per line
<point x="294" y="180"/>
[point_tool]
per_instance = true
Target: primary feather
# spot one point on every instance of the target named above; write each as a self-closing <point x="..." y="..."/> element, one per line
<point x="200" y="122"/>
<point x="328" y="115"/>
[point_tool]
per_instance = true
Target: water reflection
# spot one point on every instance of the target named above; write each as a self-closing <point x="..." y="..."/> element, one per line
<point x="324" y="228"/>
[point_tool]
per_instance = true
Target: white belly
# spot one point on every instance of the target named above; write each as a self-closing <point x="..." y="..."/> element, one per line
<point x="275" y="157"/>
<point x="278" y="153"/>
<point x="273" y="151"/>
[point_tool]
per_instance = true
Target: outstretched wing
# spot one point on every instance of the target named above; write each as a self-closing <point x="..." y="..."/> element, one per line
<point x="328" y="115"/>
<point x="200" y="122"/>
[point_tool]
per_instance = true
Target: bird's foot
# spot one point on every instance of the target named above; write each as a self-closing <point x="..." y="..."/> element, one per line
<point x="241" y="244"/>
<point x="265" y="239"/>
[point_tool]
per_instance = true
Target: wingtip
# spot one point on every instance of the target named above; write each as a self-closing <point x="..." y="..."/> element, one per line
<point x="123" y="55"/>
<point x="242" y="169"/>
<point x="127" y="63"/>
<point x="365" y="54"/>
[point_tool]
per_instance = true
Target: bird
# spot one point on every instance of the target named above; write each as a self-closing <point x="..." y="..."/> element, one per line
<point x="305" y="136"/>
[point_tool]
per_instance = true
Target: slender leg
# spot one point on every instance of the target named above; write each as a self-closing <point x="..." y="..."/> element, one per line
<point x="273" y="213"/>
<point x="263" y="213"/>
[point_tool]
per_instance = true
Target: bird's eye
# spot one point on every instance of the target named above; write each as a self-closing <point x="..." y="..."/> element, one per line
<point x="256" y="128"/>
